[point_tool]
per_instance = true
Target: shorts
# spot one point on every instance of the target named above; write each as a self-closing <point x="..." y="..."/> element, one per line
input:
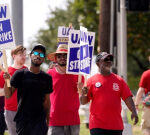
<point x="64" y="130"/>
<point x="99" y="131"/>
<point x="145" y="121"/>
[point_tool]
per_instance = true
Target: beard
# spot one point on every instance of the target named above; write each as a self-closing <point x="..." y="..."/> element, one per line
<point x="62" y="65"/>
<point x="35" y="64"/>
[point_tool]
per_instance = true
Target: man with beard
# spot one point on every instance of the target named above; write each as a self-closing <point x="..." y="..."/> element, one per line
<point x="33" y="89"/>
<point x="105" y="91"/>
<point x="64" y="116"/>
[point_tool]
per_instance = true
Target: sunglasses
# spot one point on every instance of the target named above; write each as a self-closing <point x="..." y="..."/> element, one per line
<point x="42" y="55"/>
<point x="108" y="59"/>
<point x="61" y="56"/>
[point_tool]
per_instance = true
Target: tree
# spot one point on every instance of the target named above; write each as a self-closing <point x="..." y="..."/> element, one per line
<point x="86" y="13"/>
<point x="104" y="25"/>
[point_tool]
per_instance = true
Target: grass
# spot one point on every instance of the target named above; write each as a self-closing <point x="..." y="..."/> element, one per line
<point x="135" y="128"/>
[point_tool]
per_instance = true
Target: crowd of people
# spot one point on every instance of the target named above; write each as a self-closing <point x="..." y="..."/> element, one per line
<point x="47" y="103"/>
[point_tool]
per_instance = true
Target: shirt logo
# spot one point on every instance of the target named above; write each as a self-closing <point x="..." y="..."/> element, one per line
<point x="98" y="84"/>
<point x="115" y="86"/>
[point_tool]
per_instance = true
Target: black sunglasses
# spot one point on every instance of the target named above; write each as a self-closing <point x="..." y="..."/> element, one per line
<point x="108" y="59"/>
<point x="61" y="56"/>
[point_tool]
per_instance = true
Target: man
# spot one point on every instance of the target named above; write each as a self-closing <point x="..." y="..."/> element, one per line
<point x="144" y="89"/>
<point x="19" y="56"/>
<point x="105" y="90"/>
<point x="64" y="116"/>
<point x="33" y="88"/>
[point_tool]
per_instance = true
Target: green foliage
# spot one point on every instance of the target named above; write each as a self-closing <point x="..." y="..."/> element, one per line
<point x="138" y="35"/>
<point x="86" y="13"/>
<point x="78" y="12"/>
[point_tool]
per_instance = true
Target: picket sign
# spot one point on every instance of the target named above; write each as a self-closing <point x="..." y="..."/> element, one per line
<point x="6" y="66"/>
<point x="7" y="40"/>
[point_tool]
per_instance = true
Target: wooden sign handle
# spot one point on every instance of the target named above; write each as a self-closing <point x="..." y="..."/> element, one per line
<point x="79" y="81"/>
<point x="6" y="66"/>
<point x="1" y="67"/>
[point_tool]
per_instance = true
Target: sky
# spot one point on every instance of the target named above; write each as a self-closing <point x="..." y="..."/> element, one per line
<point x="35" y="13"/>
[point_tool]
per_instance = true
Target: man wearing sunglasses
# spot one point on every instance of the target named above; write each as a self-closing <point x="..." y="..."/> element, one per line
<point x="33" y="89"/>
<point x="64" y="116"/>
<point x="105" y="91"/>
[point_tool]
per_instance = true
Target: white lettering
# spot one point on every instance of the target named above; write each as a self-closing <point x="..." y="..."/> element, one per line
<point x="1" y="27"/>
<point x="6" y="36"/>
<point x="85" y="63"/>
<point x="74" y="65"/>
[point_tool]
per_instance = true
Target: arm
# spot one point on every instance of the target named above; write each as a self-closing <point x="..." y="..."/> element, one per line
<point x="46" y="105"/>
<point x="8" y="90"/>
<point x="139" y="96"/>
<point x="83" y="97"/>
<point x="130" y="104"/>
<point x="2" y="92"/>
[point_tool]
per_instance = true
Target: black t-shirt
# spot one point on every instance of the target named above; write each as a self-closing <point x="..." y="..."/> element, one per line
<point x="31" y="89"/>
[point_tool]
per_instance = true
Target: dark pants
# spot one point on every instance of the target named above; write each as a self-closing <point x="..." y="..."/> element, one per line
<point x="2" y="123"/>
<point x="98" y="131"/>
<point x="32" y="128"/>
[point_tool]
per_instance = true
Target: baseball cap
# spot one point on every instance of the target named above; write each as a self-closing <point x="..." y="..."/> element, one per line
<point x="103" y="56"/>
<point x="39" y="46"/>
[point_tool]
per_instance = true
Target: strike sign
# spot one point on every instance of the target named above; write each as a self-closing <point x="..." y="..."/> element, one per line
<point x="6" y="32"/>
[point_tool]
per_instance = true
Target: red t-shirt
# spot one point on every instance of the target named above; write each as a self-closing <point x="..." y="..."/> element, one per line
<point x="64" y="99"/>
<point x="10" y="103"/>
<point x="145" y="81"/>
<point x="105" y="93"/>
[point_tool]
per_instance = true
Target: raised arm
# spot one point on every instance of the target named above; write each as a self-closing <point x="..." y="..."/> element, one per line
<point x="8" y="91"/>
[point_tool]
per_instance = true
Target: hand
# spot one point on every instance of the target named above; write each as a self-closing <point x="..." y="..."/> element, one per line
<point x="134" y="117"/>
<point x="6" y="75"/>
<point x="84" y="91"/>
<point x="52" y="65"/>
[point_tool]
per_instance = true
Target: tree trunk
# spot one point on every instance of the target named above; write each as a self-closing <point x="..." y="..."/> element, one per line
<point x="104" y="25"/>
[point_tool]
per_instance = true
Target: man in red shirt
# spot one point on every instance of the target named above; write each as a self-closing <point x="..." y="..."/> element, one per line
<point x="144" y="89"/>
<point x="19" y="56"/>
<point x="105" y="91"/>
<point x="64" y="116"/>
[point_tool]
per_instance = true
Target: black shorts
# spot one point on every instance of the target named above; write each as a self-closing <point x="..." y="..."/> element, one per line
<point x="99" y="131"/>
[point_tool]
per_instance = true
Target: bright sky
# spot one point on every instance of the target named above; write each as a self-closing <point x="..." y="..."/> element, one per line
<point x="35" y="14"/>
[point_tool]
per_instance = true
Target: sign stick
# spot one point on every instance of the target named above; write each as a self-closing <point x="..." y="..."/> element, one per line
<point x="1" y="67"/>
<point x="79" y="81"/>
<point x="70" y="25"/>
<point x="6" y="66"/>
<point x="85" y="80"/>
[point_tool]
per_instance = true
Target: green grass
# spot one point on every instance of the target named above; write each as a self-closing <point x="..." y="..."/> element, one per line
<point x="83" y="129"/>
